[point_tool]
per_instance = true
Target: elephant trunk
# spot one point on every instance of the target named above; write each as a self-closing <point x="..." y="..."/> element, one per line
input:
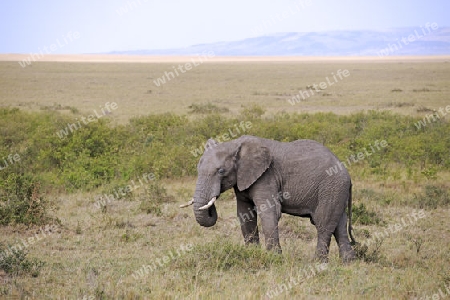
<point x="205" y="217"/>
<point x="204" y="207"/>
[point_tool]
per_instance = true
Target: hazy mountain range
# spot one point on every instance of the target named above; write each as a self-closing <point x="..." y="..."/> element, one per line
<point x="423" y="40"/>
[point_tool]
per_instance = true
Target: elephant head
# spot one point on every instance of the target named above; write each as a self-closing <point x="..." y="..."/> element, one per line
<point x="234" y="164"/>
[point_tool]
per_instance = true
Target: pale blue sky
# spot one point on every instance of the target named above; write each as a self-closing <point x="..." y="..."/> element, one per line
<point x="104" y="26"/>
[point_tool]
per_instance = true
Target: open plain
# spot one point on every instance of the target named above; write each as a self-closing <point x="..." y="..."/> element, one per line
<point x="129" y="249"/>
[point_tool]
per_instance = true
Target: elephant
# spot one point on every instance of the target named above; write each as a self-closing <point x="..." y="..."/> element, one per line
<point x="270" y="178"/>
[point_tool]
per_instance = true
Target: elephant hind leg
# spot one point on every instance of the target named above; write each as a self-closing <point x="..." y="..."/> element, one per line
<point x="323" y="244"/>
<point x="346" y="252"/>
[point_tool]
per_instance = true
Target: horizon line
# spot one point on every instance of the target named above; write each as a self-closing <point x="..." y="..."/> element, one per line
<point x="133" y="58"/>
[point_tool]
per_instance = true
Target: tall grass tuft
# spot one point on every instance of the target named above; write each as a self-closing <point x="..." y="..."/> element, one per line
<point x="224" y="255"/>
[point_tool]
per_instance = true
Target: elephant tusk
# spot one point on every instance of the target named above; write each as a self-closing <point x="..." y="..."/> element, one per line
<point x="187" y="204"/>
<point x="210" y="203"/>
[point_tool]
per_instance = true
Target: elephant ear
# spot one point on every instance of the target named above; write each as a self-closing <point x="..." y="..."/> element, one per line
<point x="252" y="161"/>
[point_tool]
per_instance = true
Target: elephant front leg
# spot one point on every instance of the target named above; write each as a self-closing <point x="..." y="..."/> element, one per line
<point x="248" y="218"/>
<point x="269" y="221"/>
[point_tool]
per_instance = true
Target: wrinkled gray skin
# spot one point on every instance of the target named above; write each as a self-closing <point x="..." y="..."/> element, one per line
<point x="258" y="170"/>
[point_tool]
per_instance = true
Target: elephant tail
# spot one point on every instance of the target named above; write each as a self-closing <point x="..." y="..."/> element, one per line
<point x="350" y="228"/>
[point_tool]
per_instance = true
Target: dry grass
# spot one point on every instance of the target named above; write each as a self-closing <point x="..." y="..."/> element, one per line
<point x="88" y="86"/>
<point x="95" y="253"/>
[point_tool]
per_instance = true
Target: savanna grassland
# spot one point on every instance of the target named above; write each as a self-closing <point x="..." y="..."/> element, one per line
<point x="96" y="158"/>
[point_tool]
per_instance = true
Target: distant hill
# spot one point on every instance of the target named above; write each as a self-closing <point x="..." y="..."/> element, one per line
<point x="401" y="41"/>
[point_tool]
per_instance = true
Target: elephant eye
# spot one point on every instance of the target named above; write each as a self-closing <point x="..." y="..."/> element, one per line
<point x="221" y="171"/>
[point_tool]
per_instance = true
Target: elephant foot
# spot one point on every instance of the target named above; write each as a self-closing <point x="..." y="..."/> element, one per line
<point x="275" y="248"/>
<point x="347" y="256"/>
<point x="251" y="239"/>
<point x="321" y="257"/>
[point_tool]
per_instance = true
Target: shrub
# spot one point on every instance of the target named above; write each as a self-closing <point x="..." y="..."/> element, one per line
<point x="363" y="216"/>
<point x="155" y="196"/>
<point x="207" y="108"/>
<point x="22" y="203"/>
<point x="16" y="262"/>
<point x="372" y="255"/>
<point x="421" y="90"/>
<point x="252" y="112"/>
<point x="98" y="154"/>
<point x="423" y="109"/>
<point x="432" y="197"/>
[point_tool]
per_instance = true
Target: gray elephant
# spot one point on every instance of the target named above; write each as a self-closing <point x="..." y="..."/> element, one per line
<point x="270" y="178"/>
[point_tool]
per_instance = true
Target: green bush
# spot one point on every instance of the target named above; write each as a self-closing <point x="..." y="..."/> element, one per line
<point x="15" y="262"/>
<point x="22" y="203"/>
<point x="252" y="112"/>
<point x="361" y="215"/>
<point x="98" y="154"/>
